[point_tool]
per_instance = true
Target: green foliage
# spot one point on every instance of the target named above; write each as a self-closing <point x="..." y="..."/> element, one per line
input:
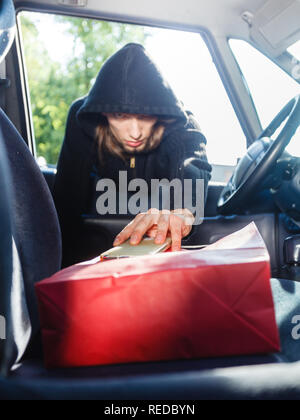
<point x="55" y="85"/>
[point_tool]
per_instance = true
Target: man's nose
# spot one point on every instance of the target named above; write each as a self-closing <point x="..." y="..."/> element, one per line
<point x="135" y="130"/>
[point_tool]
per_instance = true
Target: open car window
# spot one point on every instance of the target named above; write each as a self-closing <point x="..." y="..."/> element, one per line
<point x="270" y="87"/>
<point x="295" y="51"/>
<point x="58" y="76"/>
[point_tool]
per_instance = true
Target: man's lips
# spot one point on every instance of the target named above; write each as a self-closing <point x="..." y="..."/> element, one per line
<point x="134" y="144"/>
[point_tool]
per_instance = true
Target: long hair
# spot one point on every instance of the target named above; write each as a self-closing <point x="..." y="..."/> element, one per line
<point x="107" y="141"/>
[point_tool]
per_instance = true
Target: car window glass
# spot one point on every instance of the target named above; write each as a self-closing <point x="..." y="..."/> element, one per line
<point x="271" y="88"/>
<point x="64" y="55"/>
<point x="295" y="51"/>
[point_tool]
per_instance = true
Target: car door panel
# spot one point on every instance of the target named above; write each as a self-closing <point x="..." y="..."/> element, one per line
<point x="49" y="175"/>
<point x="99" y="233"/>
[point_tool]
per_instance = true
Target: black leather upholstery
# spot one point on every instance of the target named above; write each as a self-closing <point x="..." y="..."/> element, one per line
<point x="186" y="380"/>
<point x="32" y="238"/>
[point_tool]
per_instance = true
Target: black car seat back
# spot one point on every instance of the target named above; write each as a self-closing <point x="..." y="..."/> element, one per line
<point x="30" y="235"/>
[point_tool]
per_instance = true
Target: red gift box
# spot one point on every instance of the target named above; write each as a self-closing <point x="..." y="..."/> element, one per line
<point x="205" y="303"/>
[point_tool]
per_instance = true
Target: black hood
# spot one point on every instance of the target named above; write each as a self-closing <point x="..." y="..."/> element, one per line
<point x="130" y="82"/>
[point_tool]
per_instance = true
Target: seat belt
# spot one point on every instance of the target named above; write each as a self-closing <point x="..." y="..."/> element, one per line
<point x="4" y="83"/>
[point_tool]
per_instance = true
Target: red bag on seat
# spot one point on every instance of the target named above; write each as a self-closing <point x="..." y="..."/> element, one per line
<point x="212" y="302"/>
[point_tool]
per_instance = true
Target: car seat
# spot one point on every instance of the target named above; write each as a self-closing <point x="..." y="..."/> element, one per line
<point x="30" y="239"/>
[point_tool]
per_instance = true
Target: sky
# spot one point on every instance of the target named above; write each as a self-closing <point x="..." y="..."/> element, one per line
<point x="295" y="50"/>
<point x="186" y="63"/>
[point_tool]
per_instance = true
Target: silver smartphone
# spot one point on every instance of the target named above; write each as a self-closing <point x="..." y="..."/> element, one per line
<point x="126" y="250"/>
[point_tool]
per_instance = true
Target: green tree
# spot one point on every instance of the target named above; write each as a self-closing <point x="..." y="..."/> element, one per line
<point x="55" y="85"/>
<point x="93" y="42"/>
<point x="41" y="72"/>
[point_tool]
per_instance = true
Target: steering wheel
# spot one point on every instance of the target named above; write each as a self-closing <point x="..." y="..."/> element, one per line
<point x="254" y="167"/>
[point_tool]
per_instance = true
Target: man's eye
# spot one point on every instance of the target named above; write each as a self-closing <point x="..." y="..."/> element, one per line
<point x="146" y="117"/>
<point x="119" y="115"/>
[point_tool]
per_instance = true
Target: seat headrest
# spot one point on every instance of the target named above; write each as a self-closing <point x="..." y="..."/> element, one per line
<point x="7" y="26"/>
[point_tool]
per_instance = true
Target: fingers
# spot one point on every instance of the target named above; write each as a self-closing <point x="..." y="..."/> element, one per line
<point x="138" y="228"/>
<point x="188" y="219"/>
<point x="176" y="226"/>
<point x="163" y="227"/>
<point x="141" y="228"/>
<point x="173" y="224"/>
<point x="127" y="231"/>
<point x="158" y="224"/>
<point x="152" y="232"/>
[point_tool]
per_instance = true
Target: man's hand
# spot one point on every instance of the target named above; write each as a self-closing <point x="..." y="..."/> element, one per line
<point x="176" y="224"/>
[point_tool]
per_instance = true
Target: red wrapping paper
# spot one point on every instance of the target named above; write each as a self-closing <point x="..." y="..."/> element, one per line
<point x="205" y="303"/>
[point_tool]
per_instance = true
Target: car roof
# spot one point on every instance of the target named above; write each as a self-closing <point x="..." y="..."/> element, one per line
<point x="271" y="25"/>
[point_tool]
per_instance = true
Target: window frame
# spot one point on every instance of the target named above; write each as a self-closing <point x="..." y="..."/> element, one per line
<point x="279" y="62"/>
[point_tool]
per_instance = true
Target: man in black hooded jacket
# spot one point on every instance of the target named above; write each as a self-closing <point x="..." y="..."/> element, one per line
<point x="129" y="84"/>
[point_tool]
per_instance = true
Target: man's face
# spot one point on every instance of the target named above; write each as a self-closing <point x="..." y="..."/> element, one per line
<point x="132" y="130"/>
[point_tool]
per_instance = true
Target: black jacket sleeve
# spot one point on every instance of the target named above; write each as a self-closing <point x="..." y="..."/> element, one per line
<point x="195" y="167"/>
<point x="72" y="183"/>
<point x="193" y="162"/>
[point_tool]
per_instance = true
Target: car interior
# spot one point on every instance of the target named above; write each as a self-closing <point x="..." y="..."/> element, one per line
<point x="262" y="186"/>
